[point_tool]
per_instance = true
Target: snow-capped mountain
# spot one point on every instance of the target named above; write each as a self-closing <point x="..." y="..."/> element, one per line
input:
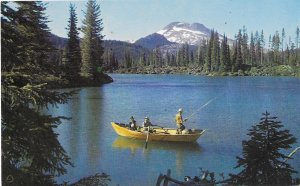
<point x="180" y="32"/>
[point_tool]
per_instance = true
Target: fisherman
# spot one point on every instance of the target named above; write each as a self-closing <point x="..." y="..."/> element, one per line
<point x="147" y="122"/>
<point x="132" y="123"/>
<point x="179" y="121"/>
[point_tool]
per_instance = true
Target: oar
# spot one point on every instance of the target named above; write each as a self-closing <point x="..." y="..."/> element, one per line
<point x="147" y="137"/>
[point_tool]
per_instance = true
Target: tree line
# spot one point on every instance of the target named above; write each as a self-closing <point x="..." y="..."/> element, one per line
<point x="220" y="54"/>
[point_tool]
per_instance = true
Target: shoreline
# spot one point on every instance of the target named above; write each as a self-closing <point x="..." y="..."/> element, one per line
<point x="280" y="70"/>
<point x="59" y="83"/>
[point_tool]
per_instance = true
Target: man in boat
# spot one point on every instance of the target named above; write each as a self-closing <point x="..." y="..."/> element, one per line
<point x="147" y="122"/>
<point x="179" y="121"/>
<point x="132" y="123"/>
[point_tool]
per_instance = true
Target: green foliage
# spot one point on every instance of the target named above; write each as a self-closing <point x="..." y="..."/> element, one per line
<point x="31" y="152"/>
<point x="73" y="52"/>
<point x="92" y="49"/>
<point x="263" y="161"/>
<point x="32" y="25"/>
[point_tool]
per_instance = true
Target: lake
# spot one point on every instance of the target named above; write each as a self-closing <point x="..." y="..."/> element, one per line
<point x="94" y="147"/>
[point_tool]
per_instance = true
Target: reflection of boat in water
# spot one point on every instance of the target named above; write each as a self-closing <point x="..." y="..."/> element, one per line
<point x="157" y="134"/>
<point x="134" y="144"/>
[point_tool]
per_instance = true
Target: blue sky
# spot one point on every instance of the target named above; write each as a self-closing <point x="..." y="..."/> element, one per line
<point x="129" y="20"/>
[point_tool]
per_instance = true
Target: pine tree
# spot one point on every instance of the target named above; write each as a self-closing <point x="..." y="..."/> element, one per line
<point x="263" y="161"/>
<point x="92" y="49"/>
<point x="73" y="52"/>
<point x="276" y="48"/>
<point x="215" y="54"/>
<point x="262" y="42"/>
<point x="297" y="46"/>
<point x="223" y="59"/>
<point x="208" y="58"/>
<point x="33" y="25"/>
<point x="252" y="51"/>
<point x="258" y="48"/>
<point x="244" y="44"/>
<point x="282" y="46"/>
<point x="127" y="58"/>
<point x="11" y="38"/>
<point x="201" y="53"/>
<point x="31" y="152"/>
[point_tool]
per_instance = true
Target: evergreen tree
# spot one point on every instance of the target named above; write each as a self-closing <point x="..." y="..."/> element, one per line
<point x="208" y="58"/>
<point x="201" y="53"/>
<point x="263" y="162"/>
<point x="225" y="56"/>
<point x="92" y="49"/>
<point x="32" y="24"/>
<point x="297" y="45"/>
<point x="11" y="39"/>
<point x="252" y="51"/>
<point x="237" y="61"/>
<point x="127" y="58"/>
<point x="215" y="53"/>
<point x="73" y="52"/>
<point x="158" y="57"/>
<point x="282" y="46"/>
<point x="262" y="42"/>
<point x="258" y="48"/>
<point x="276" y="48"/>
<point x="244" y="45"/>
<point x="31" y="153"/>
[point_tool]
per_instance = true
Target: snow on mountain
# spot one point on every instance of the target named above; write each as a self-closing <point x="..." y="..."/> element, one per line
<point x="180" y="32"/>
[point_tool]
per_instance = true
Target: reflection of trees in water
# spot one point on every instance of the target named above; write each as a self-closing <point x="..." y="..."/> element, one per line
<point x="181" y="150"/>
<point x="93" y="113"/>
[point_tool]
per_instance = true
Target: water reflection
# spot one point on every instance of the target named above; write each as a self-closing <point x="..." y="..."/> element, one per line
<point x="180" y="149"/>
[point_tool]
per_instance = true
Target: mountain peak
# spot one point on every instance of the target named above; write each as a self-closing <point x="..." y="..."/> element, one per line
<point x="182" y="32"/>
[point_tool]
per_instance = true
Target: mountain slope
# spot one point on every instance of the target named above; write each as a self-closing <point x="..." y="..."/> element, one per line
<point x="153" y="41"/>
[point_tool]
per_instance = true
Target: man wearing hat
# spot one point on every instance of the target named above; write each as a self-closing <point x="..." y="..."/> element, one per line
<point x="132" y="123"/>
<point x="147" y="122"/>
<point x="179" y="120"/>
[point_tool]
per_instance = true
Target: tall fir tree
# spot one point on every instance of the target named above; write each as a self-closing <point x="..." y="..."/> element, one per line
<point x="252" y="51"/>
<point x="73" y="52"/>
<point x="33" y="25"/>
<point x="282" y="45"/>
<point x="263" y="162"/>
<point x="92" y="49"/>
<point x="262" y="44"/>
<point x="31" y="153"/>
<point x="276" y="48"/>
<point x="297" y="41"/>
<point x="215" y="53"/>
<point x="208" y="58"/>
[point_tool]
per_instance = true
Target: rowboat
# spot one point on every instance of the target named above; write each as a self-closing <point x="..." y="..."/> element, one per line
<point x="157" y="133"/>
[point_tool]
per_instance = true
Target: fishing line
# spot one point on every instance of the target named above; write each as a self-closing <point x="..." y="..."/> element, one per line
<point x="202" y="107"/>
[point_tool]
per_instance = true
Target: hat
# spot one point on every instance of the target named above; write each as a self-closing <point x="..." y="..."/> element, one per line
<point x="180" y="110"/>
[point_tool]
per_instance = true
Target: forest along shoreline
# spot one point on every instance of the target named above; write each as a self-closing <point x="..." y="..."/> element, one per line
<point x="54" y="82"/>
<point x="281" y="70"/>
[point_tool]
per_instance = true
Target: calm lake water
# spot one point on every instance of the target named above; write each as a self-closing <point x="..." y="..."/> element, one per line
<point x="94" y="146"/>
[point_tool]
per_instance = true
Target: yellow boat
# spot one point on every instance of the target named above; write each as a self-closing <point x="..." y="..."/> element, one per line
<point x="157" y="133"/>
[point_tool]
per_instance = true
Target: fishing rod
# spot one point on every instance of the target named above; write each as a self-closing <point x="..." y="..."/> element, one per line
<point x="291" y="154"/>
<point x="200" y="108"/>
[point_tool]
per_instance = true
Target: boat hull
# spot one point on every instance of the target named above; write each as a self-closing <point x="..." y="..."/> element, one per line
<point x="160" y="134"/>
